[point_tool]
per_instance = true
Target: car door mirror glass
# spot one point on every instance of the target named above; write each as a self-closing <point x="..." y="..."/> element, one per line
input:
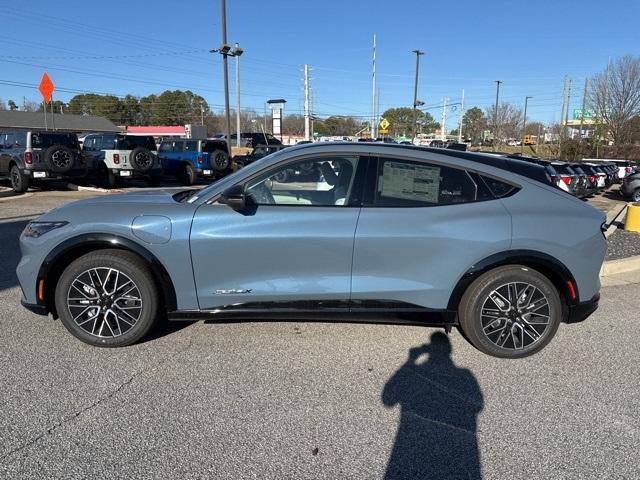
<point x="234" y="197"/>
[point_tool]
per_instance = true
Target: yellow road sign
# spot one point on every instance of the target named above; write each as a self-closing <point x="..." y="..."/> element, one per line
<point x="383" y="131"/>
<point x="384" y="124"/>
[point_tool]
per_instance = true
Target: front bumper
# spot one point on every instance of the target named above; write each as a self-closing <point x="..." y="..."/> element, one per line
<point x="581" y="311"/>
<point x="35" y="308"/>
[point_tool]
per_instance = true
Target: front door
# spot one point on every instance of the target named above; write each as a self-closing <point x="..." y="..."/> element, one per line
<point x="291" y="248"/>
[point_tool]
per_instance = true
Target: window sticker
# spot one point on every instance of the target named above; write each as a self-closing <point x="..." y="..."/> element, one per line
<point x="410" y="182"/>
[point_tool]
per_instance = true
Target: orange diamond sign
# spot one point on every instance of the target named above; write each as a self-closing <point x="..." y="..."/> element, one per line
<point x="46" y="87"/>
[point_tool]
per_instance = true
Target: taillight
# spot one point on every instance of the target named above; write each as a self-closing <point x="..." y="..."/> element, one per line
<point x="592" y="179"/>
<point x="199" y="159"/>
<point x="566" y="179"/>
<point x="28" y="158"/>
<point x="627" y="170"/>
<point x="116" y="158"/>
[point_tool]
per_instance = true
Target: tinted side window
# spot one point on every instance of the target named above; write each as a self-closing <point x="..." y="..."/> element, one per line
<point x="108" y="142"/>
<point x="498" y="188"/>
<point x="21" y="139"/>
<point x="10" y="140"/>
<point x="166" y="146"/>
<point x="191" y="146"/>
<point x="403" y="183"/>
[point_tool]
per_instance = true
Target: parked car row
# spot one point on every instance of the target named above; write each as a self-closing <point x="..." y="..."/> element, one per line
<point x="581" y="179"/>
<point x="32" y="156"/>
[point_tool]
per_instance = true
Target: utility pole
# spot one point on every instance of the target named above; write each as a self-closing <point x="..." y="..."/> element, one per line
<point x="524" y="124"/>
<point x="584" y="101"/>
<point x="306" y="103"/>
<point x="461" y="115"/>
<point x="373" y="91"/>
<point x="495" y="112"/>
<point x="201" y="113"/>
<point x="224" y="49"/>
<point x="237" y="51"/>
<point x="443" y="127"/>
<point x="566" y="113"/>
<point x="415" y="93"/>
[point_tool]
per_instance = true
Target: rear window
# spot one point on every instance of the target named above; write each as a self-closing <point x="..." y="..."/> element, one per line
<point x="45" y="140"/>
<point x="131" y="142"/>
<point x="561" y="168"/>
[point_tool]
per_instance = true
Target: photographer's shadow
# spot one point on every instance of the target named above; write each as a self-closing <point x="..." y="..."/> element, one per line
<point x="439" y="405"/>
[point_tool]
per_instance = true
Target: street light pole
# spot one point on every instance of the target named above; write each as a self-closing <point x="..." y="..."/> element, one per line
<point x="415" y="93"/>
<point x="224" y="49"/>
<point x="495" y="112"/>
<point x="524" y="124"/>
<point x="236" y="52"/>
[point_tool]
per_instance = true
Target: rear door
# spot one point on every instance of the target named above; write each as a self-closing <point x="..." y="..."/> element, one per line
<point x="422" y="226"/>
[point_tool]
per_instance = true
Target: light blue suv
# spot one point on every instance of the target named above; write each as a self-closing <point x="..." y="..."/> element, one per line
<point x="369" y="232"/>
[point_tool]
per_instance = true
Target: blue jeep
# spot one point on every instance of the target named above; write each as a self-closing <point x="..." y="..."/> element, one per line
<point x="189" y="159"/>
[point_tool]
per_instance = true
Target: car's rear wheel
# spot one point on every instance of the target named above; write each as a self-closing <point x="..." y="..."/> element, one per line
<point x="19" y="181"/>
<point x="106" y="178"/>
<point x="635" y="196"/>
<point x="107" y="298"/>
<point x="510" y="312"/>
<point x="187" y="175"/>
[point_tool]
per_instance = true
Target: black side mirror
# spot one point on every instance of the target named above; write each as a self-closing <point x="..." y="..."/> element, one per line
<point x="234" y="197"/>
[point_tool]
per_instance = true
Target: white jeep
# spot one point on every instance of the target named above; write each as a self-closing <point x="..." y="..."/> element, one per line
<point x="113" y="156"/>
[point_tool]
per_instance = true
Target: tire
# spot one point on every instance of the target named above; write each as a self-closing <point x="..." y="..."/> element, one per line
<point x="141" y="159"/>
<point x="188" y="175"/>
<point x="19" y="181"/>
<point x="494" y="330"/>
<point x="59" y="158"/>
<point x="106" y="178"/>
<point x="219" y="160"/>
<point x="635" y="196"/>
<point x="98" y="319"/>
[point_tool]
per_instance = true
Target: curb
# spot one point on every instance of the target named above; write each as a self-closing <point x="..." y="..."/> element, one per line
<point x="73" y="186"/>
<point x="14" y="196"/>
<point x="622" y="265"/>
<point x="616" y="221"/>
<point x="7" y="192"/>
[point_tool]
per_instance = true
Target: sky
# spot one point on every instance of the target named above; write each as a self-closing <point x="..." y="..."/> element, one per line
<point x="141" y="47"/>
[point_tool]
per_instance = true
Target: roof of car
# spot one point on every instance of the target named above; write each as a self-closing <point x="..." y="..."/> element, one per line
<point x="520" y="167"/>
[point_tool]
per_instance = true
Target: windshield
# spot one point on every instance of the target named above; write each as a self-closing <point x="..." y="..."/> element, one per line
<point x="45" y="140"/>
<point x="231" y="179"/>
<point x="131" y="142"/>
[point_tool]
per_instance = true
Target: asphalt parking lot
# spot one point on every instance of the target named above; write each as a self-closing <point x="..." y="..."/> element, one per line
<point x="311" y="400"/>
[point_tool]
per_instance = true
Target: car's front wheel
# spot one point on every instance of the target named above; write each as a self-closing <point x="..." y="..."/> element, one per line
<point x="635" y="196"/>
<point x="107" y="298"/>
<point x="511" y="312"/>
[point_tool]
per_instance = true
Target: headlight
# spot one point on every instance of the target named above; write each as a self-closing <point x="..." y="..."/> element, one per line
<point x="37" y="229"/>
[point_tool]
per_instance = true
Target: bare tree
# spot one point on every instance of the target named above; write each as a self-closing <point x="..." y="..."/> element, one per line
<point x="614" y="95"/>
<point x="30" y="106"/>
<point x="509" y="120"/>
<point x="2" y="105"/>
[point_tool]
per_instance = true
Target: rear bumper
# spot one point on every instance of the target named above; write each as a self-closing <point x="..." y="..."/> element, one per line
<point x="37" y="173"/>
<point x="581" y="311"/>
<point x="132" y="173"/>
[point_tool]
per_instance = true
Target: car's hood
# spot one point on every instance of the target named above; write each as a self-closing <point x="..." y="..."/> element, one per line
<point x="114" y="204"/>
<point x="149" y="196"/>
